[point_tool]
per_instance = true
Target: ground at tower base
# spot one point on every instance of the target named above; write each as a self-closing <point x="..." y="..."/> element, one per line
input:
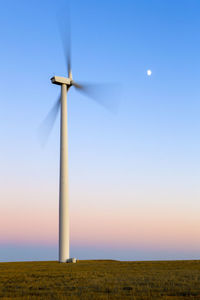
<point x="100" y="279"/>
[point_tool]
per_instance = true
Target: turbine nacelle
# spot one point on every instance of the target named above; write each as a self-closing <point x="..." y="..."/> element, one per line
<point x="61" y="80"/>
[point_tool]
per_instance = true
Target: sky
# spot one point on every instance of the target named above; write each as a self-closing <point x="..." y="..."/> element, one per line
<point x="134" y="174"/>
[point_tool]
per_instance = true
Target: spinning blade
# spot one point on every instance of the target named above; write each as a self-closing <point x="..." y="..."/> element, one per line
<point x="48" y="123"/>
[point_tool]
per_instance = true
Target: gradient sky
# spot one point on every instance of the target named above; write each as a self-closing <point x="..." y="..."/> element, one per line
<point x="134" y="176"/>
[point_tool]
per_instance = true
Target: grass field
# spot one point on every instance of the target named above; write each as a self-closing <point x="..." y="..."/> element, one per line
<point x="100" y="280"/>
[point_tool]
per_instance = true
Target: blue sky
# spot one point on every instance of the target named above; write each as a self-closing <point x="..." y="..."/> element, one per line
<point x="142" y="160"/>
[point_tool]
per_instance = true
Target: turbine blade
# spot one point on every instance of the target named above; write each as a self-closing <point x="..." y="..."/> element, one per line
<point x="65" y="34"/>
<point x="106" y="95"/>
<point x="47" y="124"/>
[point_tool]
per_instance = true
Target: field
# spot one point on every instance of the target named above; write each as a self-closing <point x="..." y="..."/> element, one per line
<point x="100" y="280"/>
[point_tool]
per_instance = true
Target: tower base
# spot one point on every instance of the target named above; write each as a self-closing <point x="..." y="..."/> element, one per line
<point x="71" y="260"/>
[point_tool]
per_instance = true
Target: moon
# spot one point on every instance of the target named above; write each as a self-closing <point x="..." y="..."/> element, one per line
<point x="149" y="72"/>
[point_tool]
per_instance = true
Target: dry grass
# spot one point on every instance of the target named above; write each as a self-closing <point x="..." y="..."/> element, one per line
<point x="167" y="280"/>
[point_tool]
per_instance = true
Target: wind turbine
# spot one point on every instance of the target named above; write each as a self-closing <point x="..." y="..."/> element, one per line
<point x="91" y="90"/>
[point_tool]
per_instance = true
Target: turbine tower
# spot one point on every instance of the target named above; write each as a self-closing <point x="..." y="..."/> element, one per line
<point x="65" y="83"/>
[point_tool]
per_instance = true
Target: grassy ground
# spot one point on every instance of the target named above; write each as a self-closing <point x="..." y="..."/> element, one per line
<point x="100" y="280"/>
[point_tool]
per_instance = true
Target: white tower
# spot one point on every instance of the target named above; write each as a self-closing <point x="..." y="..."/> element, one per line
<point x="65" y="83"/>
